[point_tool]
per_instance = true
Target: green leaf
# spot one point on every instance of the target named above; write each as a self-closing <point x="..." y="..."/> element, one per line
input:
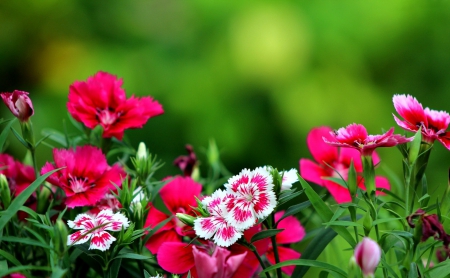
<point x="27" y="241"/>
<point x="146" y="274"/>
<point x="294" y="210"/>
<point x="21" y="140"/>
<point x="9" y="257"/>
<point x="58" y="272"/>
<point x="383" y="220"/>
<point x="5" y="133"/>
<point x="414" y="148"/>
<point x="133" y="256"/>
<point x="265" y="234"/>
<point x="343" y="223"/>
<point x="114" y="269"/>
<point x="339" y="181"/>
<point x="286" y="198"/>
<point x="326" y="266"/>
<point x="20" y="200"/>
<point x="314" y="249"/>
<point x="29" y="211"/>
<point x="324" y="211"/>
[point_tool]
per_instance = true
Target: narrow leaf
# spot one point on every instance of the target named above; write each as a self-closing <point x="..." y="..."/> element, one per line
<point x="326" y="266"/>
<point x="294" y="210"/>
<point x="5" y="133"/>
<point x="265" y="234"/>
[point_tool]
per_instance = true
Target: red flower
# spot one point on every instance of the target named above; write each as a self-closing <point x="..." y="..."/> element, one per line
<point x="179" y="197"/>
<point x="326" y="156"/>
<point x="19" y="176"/>
<point x="19" y="103"/>
<point x="86" y="176"/>
<point x="101" y="101"/>
<point x="355" y="136"/>
<point x="433" y="123"/>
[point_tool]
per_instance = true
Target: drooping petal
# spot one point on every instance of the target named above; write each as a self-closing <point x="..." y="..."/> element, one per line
<point x="101" y="240"/>
<point x="312" y="172"/>
<point x="339" y="193"/>
<point x="321" y="151"/>
<point x="176" y="257"/>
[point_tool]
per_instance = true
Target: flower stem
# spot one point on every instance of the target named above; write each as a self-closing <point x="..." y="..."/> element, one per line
<point x="259" y="259"/>
<point x="275" y="248"/>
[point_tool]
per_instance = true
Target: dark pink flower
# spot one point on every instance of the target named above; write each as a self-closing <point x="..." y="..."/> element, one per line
<point x="293" y="233"/>
<point x="95" y="228"/>
<point x="433" y="123"/>
<point x="206" y="261"/>
<point x="178" y="195"/>
<point x="355" y="136"/>
<point x="325" y="156"/>
<point x="367" y="255"/>
<point x="188" y="162"/>
<point x="19" y="176"/>
<point x="102" y="101"/>
<point x="19" y="103"/>
<point x="86" y="176"/>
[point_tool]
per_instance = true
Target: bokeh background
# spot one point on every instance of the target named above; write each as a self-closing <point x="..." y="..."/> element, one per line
<point x="255" y="76"/>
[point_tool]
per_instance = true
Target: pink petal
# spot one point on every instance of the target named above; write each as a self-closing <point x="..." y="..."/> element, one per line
<point x="207" y="266"/>
<point x="180" y="193"/>
<point x="101" y="241"/>
<point x="78" y="237"/>
<point x="312" y="172"/>
<point x="285" y="254"/>
<point x="155" y="242"/>
<point x="82" y="221"/>
<point x="293" y="230"/>
<point x="339" y="193"/>
<point x="321" y="151"/>
<point x="176" y="257"/>
<point x="411" y="110"/>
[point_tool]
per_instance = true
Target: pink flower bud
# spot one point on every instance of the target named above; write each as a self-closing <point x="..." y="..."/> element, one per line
<point x="19" y="103"/>
<point x="367" y="254"/>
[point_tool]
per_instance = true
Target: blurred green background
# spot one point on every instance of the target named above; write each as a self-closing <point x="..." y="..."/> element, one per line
<point x="255" y="76"/>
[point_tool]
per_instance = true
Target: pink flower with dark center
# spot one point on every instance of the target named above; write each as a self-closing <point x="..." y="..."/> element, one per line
<point x="355" y="136"/>
<point x="205" y="261"/>
<point x="333" y="162"/>
<point x="433" y="123"/>
<point x="367" y="255"/>
<point x="293" y="232"/>
<point x="95" y="228"/>
<point x="251" y="197"/>
<point x="19" y="176"/>
<point x="86" y="176"/>
<point x="19" y="104"/>
<point x="178" y="195"/>
<point x="216" y="226"/>
<point x="102" y="101"/>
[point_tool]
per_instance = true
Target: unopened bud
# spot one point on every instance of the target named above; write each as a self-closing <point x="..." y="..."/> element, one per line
<point x="60" y="238"/>
<point x="141" y="152"/>
<point x="186" y="219"/>
<point x="5" y="192"/>
<point x="367" y="255"/>
<point x="367" y="223"/>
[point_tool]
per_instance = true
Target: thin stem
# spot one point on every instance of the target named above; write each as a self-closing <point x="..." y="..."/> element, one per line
<point x="275" y="248"/>
<point x="259" y="259"/>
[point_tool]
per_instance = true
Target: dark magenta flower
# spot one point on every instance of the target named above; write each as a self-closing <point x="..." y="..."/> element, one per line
<point x="19" y="103"/>
<point x="333" y="162"/>
<point x="433" y="123"/>
<point x="188" y="162"/>
<point x="102" y="101"/>
<point x="86" y="176"/>
<point x="355" y="136"/>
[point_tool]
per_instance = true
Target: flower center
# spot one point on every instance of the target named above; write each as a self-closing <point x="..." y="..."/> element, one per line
<point x="107" y="116"/>
<point x="78" y="185"/>
<point x="340" y="171"/>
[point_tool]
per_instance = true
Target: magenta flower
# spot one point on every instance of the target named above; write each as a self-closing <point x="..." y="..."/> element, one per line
<point x="19" y="104"/>
<point x="433" y="123"/>
<point x="251" y="197"/>
<point x="367" y="255"/>
<point x="293" y="232"/>
<point x="178" y="195"/>
<point x="216" y="225"/>
<point x="95" y="228"/>
<point x="86" y="176"/>
<point x="19" y="176"/>
<point x="101" y="101"/>
<point x="355" y="136"/>
<point x="206" y="261"/>
<point x="325" y="156"/>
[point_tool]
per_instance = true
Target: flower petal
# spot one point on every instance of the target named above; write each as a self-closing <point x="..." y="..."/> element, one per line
<point x="101" y="241"/>
<point x="176" y="257"/>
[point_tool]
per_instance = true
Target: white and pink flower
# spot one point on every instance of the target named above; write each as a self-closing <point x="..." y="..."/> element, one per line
<point x="289" y="177"/>
<point x="216" y="225"/>
<point x="251" y="197"/>
<point x="95" y="228"/>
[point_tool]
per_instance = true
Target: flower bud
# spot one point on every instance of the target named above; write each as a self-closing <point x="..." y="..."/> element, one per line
<point x="5" y="192"/>
<point x="19" y="104"/>
<point x="367" y="255"/>
<point x="186" y="219"/>
<point x="367" y="223"/>
<point x="60" y="238"/>
<point x="141" y="152"/>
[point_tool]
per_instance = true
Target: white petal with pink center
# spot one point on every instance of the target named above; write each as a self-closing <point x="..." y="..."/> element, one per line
<point x="289" y="177"/>
<point x="216" y="226"/>
<point x="93" y="228"/>
<point x="251" y="197"/>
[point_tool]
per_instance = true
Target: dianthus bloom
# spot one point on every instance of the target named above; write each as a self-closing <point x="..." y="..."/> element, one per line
<point x="19" y="176"/>
<point x="251" y="197"/>
<point x="355" y="136"/>
<point x="95" y="228"/>
<point x="86" y="176"/>
<point x="433" y="123"/>
<point x="19" y="104"/>
<point x="101" y="101"/>
<point x="333" y="162"/>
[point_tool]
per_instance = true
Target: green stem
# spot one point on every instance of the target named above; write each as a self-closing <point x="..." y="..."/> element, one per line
<point x="259" y="259"/>
<point x="275" y="248"/>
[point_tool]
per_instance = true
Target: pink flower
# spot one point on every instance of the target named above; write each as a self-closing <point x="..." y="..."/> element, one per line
<point x="326" y="156"/>
<point x="251" y="197"/>
<point x="95" y="228"/>
<point x="208" y="261"/>
<point x="367" y="255"/>
<point x="101" y="101"/>
<point x="178" y="195"/>
<point x="86" y="176"/>
<point x="19" y="104"/>
<point x="433" y="123"/>
<point x="355" y="136"/>
<point x="293" y="233"/>
<point x="216" y="225"/>
<point x="19" y="176"/>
